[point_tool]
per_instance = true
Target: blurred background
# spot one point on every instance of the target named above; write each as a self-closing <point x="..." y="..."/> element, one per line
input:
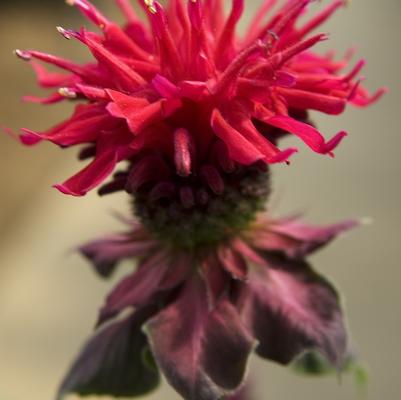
<point x="49" y="296"/>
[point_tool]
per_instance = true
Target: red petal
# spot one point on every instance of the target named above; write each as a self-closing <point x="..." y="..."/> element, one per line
<point x="79" y="130"/>
<point x="122" y="74"/>
<point x="51" y="99"/>
<point x="91" y="176"/>
<point x="137" y="111"/>
<point x="49" y="79"/>
<point x="315" y="101"/>
<point x="240" y="149"/>
<point x="307" y="133"/>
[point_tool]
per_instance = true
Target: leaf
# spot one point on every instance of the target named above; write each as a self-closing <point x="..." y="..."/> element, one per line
<point x="112" y="363"/>
<point x="290" y="309"/>
<point x="296" y="239"/>
<point x="314" y="364"/>
<point x="107" y="252"/>
<point x="203" y="353"/>
<point x="137" y="289"/>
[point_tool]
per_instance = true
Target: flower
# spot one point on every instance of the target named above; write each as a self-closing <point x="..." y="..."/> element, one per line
<point x="184" y="96"/>
<point x="201" y="314"/>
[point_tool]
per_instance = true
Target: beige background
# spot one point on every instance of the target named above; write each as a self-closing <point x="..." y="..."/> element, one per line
<point x="49" y="296"/>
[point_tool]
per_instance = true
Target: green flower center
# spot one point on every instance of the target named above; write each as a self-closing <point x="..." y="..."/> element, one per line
<point x="207" y="223"/>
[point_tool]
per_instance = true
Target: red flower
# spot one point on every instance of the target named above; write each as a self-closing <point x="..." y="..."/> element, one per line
<point x="172" y="95"/>
<point x="254" y="292"/>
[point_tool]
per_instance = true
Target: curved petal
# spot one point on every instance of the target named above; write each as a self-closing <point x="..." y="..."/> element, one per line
<point x="310" y="135"/>
<point x="137" y="289"/>
<point x="91" y="176"/>
<point x="202" y="353"/>
<point x="107" y="252"/>
<point x="112" y="363"/>
<point x="291" y="309"/>
<point x="240" y="149"/>
<point x="297" y="239"/>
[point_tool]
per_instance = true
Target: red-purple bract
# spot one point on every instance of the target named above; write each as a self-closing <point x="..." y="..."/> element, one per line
<point x="205" y="313"/>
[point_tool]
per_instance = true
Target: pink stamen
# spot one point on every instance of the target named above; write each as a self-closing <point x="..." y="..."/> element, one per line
<point x="225" y="44"/>
<point x="182" y="152"/>
<point x="230" y="75"/>
<point x="213" y="178"/>
<point x="91" y="12"/>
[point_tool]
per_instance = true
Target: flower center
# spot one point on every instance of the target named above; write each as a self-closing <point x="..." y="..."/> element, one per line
<point x="189" y="215"/>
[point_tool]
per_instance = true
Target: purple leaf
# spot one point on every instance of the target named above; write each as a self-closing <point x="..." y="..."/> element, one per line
<point x="203" y="353"/>
<point x="297" y="239"/>
<point x="233" y="263"/>
<point x="290" y="309"/>
<point x="112" y="362"/>
<point x="216" y="279"/>
<point x="107" y="252"/>
<point x="137" y="289"/>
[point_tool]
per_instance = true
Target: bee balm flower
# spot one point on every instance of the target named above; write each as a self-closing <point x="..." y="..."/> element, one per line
<point x="196" y="111"/>
<point x="183" y="96"/>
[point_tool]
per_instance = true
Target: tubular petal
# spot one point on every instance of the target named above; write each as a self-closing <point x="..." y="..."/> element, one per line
<point x="239" y="148"/>
<point x="91" y="176"/>
<point x="182" y="146"/>
<point x="306" y="133"/>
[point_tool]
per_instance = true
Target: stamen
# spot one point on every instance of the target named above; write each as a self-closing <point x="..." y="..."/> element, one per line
<point x="91" y="12"/>
<point x="273" y="35"/>
<point x="280" y="58"/>
<point x="67" y="92"/>
<point x="23" y="55"/>
<point x="162" y="190"/>
<point x="67" y="34"/>
<point x="151" y="6"/>
<point x="182" y="152"/>
<point x="51" y="59"/>
<point x="213" y="178"/>
<point x="230" y="75"/>
<point x="70" y="2"/>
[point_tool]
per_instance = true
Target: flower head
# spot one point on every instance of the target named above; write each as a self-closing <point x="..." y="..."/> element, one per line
<point x="185" y="99"/>
<point x="205" y="312"/>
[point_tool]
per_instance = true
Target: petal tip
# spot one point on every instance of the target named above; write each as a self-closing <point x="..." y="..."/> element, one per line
<point x="22" y="54"/>
<point x="334" y="142"/>
<point x="29" y="137"/>
<point x="65" y="190"/>
<point x="283" y="156"/>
